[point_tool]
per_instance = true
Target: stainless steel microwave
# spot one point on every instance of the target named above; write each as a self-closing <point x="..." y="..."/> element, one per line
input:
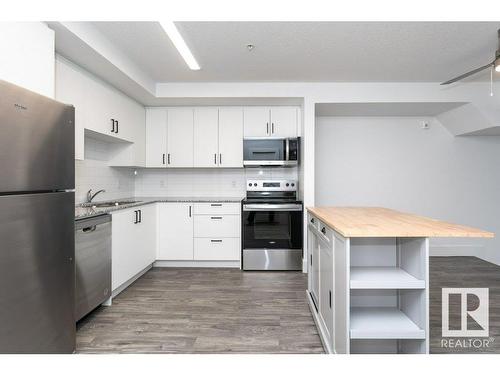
<point x="271" y="152"/>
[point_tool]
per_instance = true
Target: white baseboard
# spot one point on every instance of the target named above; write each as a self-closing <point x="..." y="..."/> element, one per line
<point x="197" y="263"/>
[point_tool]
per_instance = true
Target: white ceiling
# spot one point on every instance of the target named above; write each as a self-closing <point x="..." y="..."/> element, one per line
<point x="309" y="51"/>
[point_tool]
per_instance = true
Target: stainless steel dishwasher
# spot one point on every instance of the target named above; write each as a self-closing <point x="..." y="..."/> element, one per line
<point x="93" y="263"/>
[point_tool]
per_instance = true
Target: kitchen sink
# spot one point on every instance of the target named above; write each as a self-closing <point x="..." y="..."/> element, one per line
<point x="110" y="204"/>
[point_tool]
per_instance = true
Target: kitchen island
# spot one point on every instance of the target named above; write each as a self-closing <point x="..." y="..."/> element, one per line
<point x="368" y="277"/>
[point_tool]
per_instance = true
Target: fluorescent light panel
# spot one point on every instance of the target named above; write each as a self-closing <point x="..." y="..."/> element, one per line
<point x="180" y="44"/>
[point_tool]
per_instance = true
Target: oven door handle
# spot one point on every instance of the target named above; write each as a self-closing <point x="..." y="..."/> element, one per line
<point x="272" y="207"/>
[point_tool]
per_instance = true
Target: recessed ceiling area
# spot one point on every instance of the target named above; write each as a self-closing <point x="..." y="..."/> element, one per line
<point x="309" y="51"/>
<point x="384" y="109"/>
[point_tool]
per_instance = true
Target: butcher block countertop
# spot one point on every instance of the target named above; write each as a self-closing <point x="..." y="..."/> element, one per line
<point x="384" y="222"/>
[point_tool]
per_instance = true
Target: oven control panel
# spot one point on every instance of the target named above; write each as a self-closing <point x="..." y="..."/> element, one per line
<point x="272" y="185"/>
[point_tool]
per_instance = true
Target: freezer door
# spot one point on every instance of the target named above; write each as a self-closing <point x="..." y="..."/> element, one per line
<point x="37" y="273"/>
<point x="37" y="142"/>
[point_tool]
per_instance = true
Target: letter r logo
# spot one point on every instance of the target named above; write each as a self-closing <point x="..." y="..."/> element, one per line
<point x="472" y="305"/>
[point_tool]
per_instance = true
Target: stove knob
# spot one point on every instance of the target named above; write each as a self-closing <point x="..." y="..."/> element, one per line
<point x="250" y="184"/>
<point x="293" y="184"/>
<point x="255" y="184"/>
<point x="287" y="184"/>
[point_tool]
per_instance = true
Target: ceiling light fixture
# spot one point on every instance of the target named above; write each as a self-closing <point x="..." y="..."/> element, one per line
<point x="497" y="64"/>
<point x="180" y="44"/>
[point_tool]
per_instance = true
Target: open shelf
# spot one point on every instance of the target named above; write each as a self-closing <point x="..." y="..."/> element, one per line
<point x="383" y="278"/>
<point x="383" y="323"/>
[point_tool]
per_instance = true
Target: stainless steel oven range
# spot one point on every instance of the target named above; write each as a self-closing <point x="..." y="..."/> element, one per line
<point x="272" y="225"/>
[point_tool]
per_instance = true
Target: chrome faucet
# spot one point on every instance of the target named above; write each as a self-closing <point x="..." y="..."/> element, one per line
<point x="91" y="196"/>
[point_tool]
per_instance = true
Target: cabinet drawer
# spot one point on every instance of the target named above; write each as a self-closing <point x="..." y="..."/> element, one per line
<point x="217" y="208"/>
<point x="217" y="226"/>
<point x="217" y="249"/>
<point x="313" y="221"/>
<point x="325" y="231"/>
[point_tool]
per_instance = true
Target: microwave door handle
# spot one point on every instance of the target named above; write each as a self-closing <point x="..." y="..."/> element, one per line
<point x="287" y="149"/>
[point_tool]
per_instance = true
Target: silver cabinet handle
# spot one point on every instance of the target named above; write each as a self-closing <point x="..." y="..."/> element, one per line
<point x="216" y="204"/>
<point x="272" y="128"/>
<point x="220" y="158"/>
<point x="267" y="128"/>
<point x="89" y="229"/>
<point x="216" y="217"/>
<point x="189" y="211"/>
<point x="215" y="159"/>
<point x="215" y="240"/>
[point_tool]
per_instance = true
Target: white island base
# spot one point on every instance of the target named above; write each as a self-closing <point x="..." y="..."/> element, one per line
<point x="379" y="294"/>
<point x="370" y="293"/>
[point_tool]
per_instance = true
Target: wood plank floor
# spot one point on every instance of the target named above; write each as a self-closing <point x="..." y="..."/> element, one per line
<point x="205" y="311"/>
<point x="229" y="311"/>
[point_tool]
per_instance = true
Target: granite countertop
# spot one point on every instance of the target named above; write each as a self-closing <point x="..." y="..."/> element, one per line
<point x="86" y="210"/>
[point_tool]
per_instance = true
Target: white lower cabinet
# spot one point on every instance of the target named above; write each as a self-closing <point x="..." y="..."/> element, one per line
<point x="133" y="242"/>
<point x="313" y="243"/>
<point x="217" y="248"/>
<point x="217" y="225"/>
<point x="175" y="226"/>
<point x="199" y="232"/>
<point x="217" y="228"/>
<point x="326" y="289"/>
<point x="172" y="232"/>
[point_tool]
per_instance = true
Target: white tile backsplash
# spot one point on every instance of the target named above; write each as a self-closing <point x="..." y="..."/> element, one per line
<point x="202" y="182"/>
<point x="94" y="173"/>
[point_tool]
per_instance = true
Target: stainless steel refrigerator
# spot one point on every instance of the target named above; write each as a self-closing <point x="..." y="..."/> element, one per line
<point x="37" y="178"/>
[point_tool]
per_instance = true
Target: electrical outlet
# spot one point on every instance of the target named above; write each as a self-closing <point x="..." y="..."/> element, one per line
<point x="425" y="125"/>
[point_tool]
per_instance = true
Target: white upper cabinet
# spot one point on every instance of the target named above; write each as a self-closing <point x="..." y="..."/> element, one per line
<point x="231" y="137"/>
<point x="206" y="139"/>
<point x="71" y="89"/>
<point x="218" y="137"/>
<point x="156" y="137"/>
<point x="180" y="131"/>
<point x="110" y="112"/>
<point x="284" y="122"/>
<point x="104" y="111"/>
<point x="270" y="122"/>
<point x="256" y="122"/>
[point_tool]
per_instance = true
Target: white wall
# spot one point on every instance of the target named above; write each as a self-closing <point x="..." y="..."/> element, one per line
<point x="393" y="162"/>
<point x="27" y="57"/>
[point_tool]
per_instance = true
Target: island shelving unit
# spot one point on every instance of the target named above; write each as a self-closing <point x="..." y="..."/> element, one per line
<point x="368" y="277"/>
